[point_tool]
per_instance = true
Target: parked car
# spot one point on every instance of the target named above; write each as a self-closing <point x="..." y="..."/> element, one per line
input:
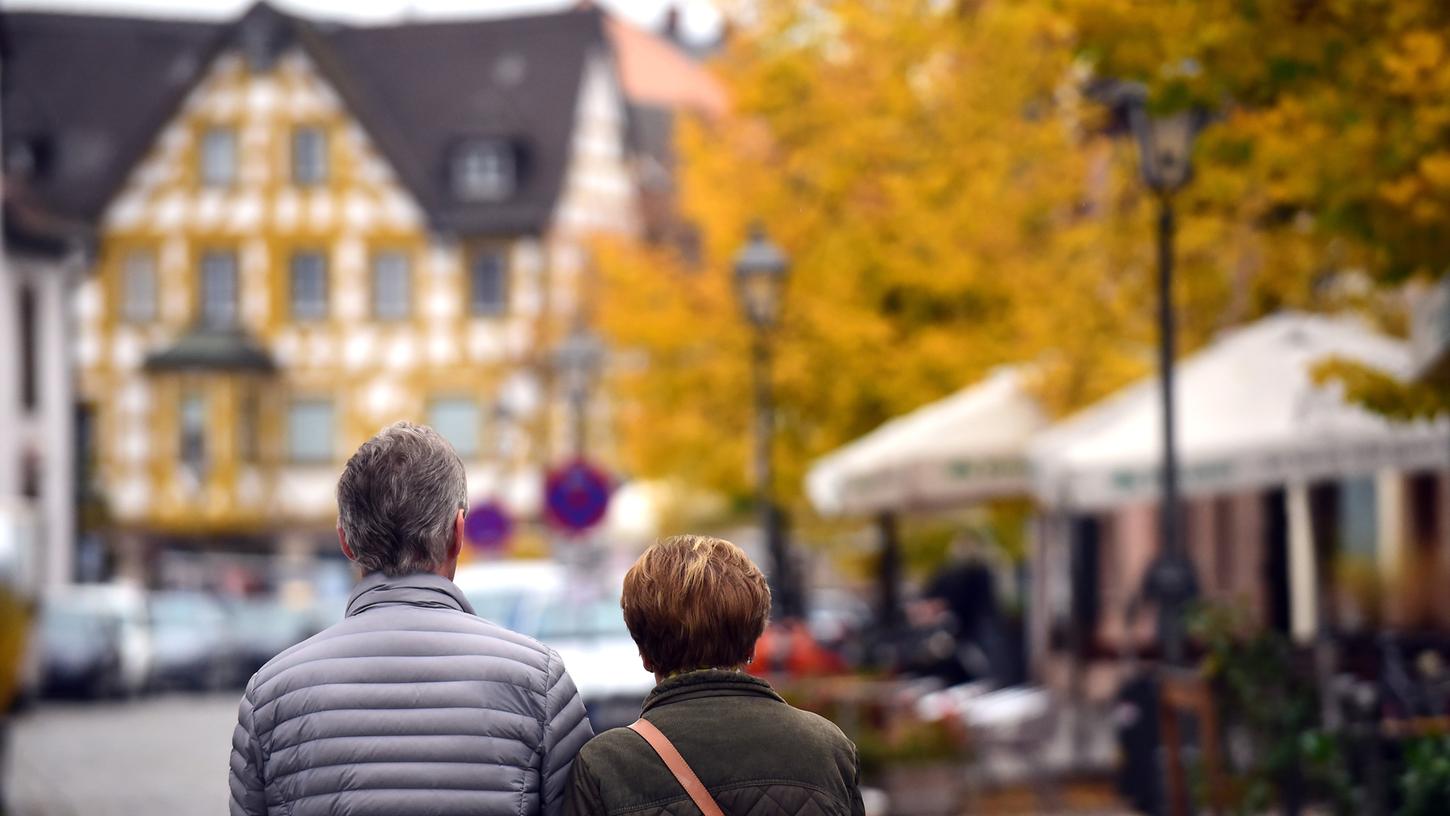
<point x="193" y="646"/>
<point x="579" y="617"/>
<point x="79" y="652"/>
<point x="261" y="628"/>
<point x="125" y="610"/>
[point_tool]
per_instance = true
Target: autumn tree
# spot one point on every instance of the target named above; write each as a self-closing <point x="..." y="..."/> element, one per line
<point x="1333" y="134"/>
<point x="951" y="201"/>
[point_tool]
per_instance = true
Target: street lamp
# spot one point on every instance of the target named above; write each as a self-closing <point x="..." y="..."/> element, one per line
<point x="579" y="359"/>
<point x="760" y="274"/>
<point x="1165" y="149"/>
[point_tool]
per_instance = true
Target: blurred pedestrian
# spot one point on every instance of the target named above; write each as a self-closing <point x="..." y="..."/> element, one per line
<point x="966" y="587"/>
<point x="710" y="733"/>
<point x="411" y="704"/>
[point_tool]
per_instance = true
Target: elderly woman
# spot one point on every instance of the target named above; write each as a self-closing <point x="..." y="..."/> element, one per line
<point x="710" y="733"/>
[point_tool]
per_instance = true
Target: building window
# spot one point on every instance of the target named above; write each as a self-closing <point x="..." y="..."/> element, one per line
<point x="391" y="289"/>
<point x="219" y="289"/>
<point x="483" y="170"/>
<point x="309" y="285"/>
<point x="138" y="283"/>
<point x="193" y="434"/>
<point x="249" y="420"/>
<point x="309" y="156"/>
<point x="310" y="431"/>
<point x="488" y="284"/>
<point x="219" y="157"/>
<point x="458" y="420"/>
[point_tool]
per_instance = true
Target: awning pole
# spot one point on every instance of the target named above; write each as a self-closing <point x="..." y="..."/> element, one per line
<point x="888" y="574"/>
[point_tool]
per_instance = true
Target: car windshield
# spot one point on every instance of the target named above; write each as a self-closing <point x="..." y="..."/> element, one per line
<point x="70" y="625"/>
<point x="550" y="615"/>
<point x="266" y="620"/>
<point x="500" y="606"/>
<point x="185" y="612"/>
<point x="582" y="621"/>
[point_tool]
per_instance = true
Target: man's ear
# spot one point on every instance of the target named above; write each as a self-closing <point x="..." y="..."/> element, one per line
<point x="455" y="547"/>
<point x="342" y="542"/>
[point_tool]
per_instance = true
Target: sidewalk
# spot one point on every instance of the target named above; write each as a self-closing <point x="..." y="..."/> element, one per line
<point x="1074" y="798"/>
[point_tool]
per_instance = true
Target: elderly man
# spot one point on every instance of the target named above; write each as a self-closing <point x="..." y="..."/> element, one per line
<point x="411" y="704"/>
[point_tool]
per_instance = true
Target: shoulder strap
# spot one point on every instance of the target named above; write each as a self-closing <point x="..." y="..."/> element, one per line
<point x="677" y="765"/>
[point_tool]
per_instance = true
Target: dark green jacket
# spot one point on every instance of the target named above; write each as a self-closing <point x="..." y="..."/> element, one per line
<point x="756" y="754"/>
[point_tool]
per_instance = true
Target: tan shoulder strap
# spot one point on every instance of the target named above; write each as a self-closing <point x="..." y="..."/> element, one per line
<point x="677" y="765"/>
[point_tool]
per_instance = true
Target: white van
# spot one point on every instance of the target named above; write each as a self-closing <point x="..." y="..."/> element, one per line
<point x="579" y="616"/>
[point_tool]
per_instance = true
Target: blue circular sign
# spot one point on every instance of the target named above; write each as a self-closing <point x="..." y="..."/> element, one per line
<point x="576" y="496"/>
<point x="488" y="526"/>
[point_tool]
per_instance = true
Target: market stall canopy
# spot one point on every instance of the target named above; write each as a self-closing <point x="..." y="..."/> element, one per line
<point x="1250" y="417"/>
<point x="962" y="449"/>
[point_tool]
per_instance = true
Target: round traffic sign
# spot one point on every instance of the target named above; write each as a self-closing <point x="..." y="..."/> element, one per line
<point x="488" y="526"/>
<point x="576" y="495"/>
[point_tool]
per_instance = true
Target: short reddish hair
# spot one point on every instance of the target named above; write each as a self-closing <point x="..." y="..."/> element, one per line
<point x="695" y="602"/>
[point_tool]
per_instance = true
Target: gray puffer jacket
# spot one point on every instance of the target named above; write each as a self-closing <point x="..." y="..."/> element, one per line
<point x="410" y="705"/>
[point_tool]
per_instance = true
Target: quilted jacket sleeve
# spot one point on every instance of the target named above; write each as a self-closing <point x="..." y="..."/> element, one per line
<point x="858" y="805"/>
<point x="583" y="797"/>
<point x="566" y="729"/>
<point x="249" y="797"/>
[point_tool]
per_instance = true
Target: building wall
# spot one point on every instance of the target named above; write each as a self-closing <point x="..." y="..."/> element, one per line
<point x="37" y="456"/>
<point x="373" y="370"/>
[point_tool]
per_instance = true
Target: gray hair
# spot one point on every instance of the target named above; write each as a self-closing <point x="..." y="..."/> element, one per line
<point x="397" y="499"/>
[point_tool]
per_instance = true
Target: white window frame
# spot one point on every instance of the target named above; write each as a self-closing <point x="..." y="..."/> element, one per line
<point x="476" y="303"/>
<point x="308" y="446"/>
<point x="303" y="304"/>
<point x="309" y="155"/>
<point x="467" y="447"/>
<point x="392" y="298"/>
<point x="191" y="420"/>
<point x="484" y="170"/>
<point x="219" y="291"/>
<point x="139" y="286"/>
<point x="219" y="157"/>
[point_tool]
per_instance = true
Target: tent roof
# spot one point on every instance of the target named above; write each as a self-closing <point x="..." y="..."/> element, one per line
<point x="964" y="448"/>
<point x="1249" y="416"/>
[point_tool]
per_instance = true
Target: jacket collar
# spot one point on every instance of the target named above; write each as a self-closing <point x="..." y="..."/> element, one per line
<point x="419" y="589"/>
<point x="708" y="683"/>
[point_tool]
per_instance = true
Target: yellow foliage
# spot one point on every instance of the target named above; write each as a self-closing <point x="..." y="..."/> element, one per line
<point x="951" y="201"/>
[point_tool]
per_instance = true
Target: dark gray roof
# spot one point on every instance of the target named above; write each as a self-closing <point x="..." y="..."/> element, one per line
<point x="204" y="348"/>
<point x="84" y="96"/>
<point x="421" y="89"/>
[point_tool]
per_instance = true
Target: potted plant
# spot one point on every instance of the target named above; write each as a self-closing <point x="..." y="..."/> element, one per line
<point x="921" y="766"/>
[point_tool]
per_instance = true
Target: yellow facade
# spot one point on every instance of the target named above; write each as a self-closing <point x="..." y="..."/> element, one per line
<point x="371" y="370"/>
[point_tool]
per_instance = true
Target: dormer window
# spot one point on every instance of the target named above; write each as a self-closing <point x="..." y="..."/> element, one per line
<point x="484" y="170"/>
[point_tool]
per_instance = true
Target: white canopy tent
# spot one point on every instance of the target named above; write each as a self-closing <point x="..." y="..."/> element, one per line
<point x="962" y="449"/>
<point x="1249" y="416"/>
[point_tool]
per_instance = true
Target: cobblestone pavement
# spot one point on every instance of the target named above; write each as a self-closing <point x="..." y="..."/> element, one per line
<point x="161" y="755"/>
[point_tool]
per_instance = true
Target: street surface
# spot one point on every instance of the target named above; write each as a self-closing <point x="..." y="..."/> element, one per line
<point x="158" y="755"/>
<point x="168" y="755"/>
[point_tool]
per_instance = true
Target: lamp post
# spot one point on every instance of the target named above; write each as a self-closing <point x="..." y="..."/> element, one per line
<point x="760" y="274"/>
<point x="1165" y="148"/>
<point x="579" y="359"/>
